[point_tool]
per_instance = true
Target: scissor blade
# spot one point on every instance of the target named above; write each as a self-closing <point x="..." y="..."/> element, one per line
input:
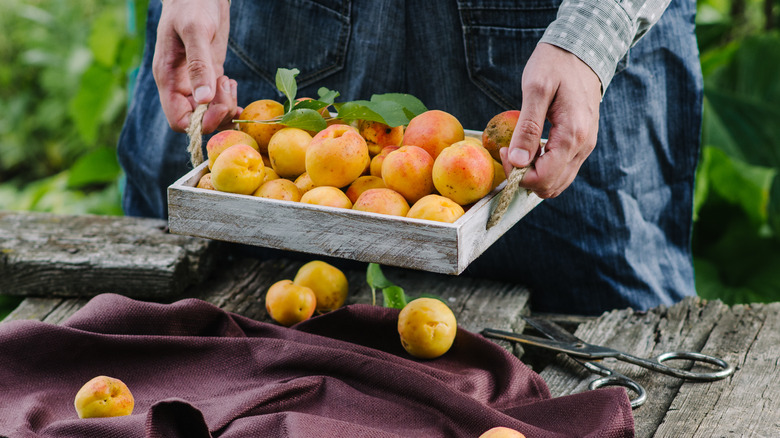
<point x="551" y="329"/>
<point x="575" y="349"/>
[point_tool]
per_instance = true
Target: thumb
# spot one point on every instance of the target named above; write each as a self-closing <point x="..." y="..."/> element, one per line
<point x="527" y="135"/>
<point x="200" y="67"/>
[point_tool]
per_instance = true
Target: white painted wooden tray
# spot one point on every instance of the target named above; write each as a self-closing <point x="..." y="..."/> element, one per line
<point x="350" y="234"/>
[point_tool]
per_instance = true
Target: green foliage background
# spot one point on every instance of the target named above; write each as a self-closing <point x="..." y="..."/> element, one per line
<point x="66" y="68"/>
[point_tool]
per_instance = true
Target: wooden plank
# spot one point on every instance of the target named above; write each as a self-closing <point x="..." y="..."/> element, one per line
<point x="684" y="326"/>
<point x="748" y="405"/>
<point x="34" y="308"/>
<point x="69" y="256"/>
<point x="477" y="303"/>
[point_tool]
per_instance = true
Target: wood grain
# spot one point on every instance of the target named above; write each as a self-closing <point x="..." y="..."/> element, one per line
<point x="49" y="255"/>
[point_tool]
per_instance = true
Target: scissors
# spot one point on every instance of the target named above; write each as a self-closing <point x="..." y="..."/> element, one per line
<point x="560" y="340"/>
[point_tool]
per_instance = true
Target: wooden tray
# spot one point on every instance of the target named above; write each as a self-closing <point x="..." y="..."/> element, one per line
<point x="350" y="234"/>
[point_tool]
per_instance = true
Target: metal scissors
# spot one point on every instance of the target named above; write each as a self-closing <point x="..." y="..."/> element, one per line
<point x="558" y="339"/>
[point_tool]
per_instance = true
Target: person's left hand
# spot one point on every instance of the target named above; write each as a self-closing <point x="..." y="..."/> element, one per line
<point x="559" y="87"/>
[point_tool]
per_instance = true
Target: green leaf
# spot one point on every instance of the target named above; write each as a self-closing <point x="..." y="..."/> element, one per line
<point x="306" y="119"/>
<point x="742" y="184"/>
<point x="701" y="185"/>
<point x="773" y="209"/>
<point x="412" y="106"/>
<point x="104" y="41"/>
<point x="98" y="166"/>
<point x="394" y="297"/>
<point x="91" y="100"/>
<point x="285" y="82"/>
<point x="328" y="96"/>
<point x="376" y="278"/>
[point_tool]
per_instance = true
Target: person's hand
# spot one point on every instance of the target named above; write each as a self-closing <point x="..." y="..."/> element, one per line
<point x="188" y="63"/>
<point x="559" y="87"/>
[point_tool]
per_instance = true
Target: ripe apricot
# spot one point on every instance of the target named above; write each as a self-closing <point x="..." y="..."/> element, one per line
<point x="436" y="208"/>
<point x="362" y="184"/>
<point x="463" y="172"/>
<point x="427" y="328"/>
<point x="409" y="171"/>
<point x="223" y="140"/>
<point x="264" y="109"/>
<point x="288" y="303"/>
<point x="281" y="189"/>
<point x="336" y="156"/>
<point x="501" y="432"/>
<point x="287" y="151"/>
<point x="498" y="132"/>
<point x="104" y="396"/>
<point x="238" y="169"/>
<point x="329" y="284"/>
<point x="378" y="135"/>
<point x="326" y="196"/>
<point x="433" y="130"/>
<point x="382" y="201"/>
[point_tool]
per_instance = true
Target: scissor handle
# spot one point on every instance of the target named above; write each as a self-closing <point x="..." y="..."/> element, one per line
<point x="621" y="380"/>
<point x="658" y="365"/>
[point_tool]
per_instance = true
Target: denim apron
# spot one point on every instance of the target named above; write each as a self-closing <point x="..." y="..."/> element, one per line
<point x="618" y="237"/>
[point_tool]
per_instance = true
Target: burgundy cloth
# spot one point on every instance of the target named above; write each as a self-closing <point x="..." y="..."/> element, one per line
<point x="198" y="371"/>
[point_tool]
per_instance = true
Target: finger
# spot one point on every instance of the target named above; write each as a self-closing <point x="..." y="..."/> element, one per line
<point x="223" y="106"/>
<point x="527" y="135"/>
<point x="200" y="65"/>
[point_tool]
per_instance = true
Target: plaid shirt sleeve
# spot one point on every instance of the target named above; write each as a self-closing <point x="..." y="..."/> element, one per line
<point x="600" y="32"/>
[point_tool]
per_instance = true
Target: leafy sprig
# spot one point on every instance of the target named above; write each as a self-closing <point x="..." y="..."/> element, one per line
<point x="392" y="109"/>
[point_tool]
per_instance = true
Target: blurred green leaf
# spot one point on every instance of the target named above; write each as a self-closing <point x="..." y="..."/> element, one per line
<point x="97" y="166"/>
<point x="104" y="40"/>
<point x="91" y="100"/>
<point x="286" y="83"/>
<point x="740" y="183"/>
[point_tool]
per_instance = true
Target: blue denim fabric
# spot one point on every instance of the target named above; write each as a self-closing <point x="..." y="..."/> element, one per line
<point x="618" y="237"/>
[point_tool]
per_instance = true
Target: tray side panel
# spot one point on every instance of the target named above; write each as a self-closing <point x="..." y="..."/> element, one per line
<point x="316" y="230"/>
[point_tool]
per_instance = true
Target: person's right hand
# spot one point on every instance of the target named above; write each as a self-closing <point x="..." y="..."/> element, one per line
<point x="188" y="63"/>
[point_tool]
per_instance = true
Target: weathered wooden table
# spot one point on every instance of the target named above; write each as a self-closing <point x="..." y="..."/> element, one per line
<point x="58" y="262"/>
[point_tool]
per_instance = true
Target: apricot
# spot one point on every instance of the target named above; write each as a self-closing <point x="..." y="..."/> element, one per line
<point x="433" y="131"/>
<point x="382" y="201"/>
<point x="336" y="156"/>
<point x="287" y="151"/>
<point x="281" y="189"/>
<point x="238" y="169"/>
<point x="326" y="196"/>
<point x="436" y="208"/>
<point x="409" y="171"/>
<point x="498" y="132"/>
<point x="223" y="140"/>
<point x="288" y="303"/>
<point x="378" y="135"/>
<point x="499" y="174"/>
<point x="205" y="182"/>
<point x="264" y="109"/>
<point x="362" y="184"/>
<point x="304" y="183"/>
<point x="427" y="328"/>
<point x="104" y="396"/>
<point x="269" y="175"/>
<point x="328" y="282"/>
<point x="375" y="168"/>
<point x="501" y="432"/>
<point x="463" y="172"/>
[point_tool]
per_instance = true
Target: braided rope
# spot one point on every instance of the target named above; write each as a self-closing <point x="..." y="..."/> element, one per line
<point x="195" y="134"/>
<point x="507" y="195"/>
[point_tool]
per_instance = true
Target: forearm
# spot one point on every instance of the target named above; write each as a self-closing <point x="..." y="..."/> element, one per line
<point x="600" y="32"/>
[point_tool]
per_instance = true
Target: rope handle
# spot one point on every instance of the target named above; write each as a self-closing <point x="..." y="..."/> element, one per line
<point x="507" y="195"/>
<point x="195" y="134"/>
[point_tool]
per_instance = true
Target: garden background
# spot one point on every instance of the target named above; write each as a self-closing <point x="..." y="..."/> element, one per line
<point x="66" y="67"/>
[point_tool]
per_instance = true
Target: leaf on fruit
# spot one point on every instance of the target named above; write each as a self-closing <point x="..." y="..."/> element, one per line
<point x="412" y="106"/>
<point x="304" y="118"/>
<point x="285" y="82"/>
